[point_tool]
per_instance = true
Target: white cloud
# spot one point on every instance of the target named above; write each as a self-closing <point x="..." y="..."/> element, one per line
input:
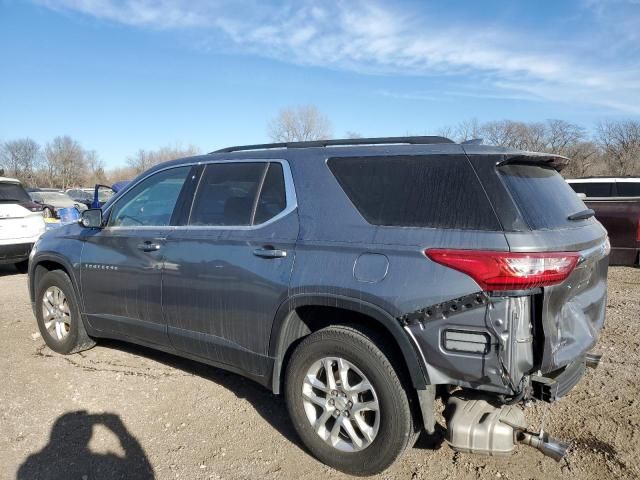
<point x="374" y="39"/>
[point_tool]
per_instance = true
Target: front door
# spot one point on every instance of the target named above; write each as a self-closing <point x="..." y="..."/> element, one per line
<point x="228" y="269"/>
<point x="121" y="273"/>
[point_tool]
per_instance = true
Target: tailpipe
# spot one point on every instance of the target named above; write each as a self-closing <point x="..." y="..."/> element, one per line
<point x="545" y="444"/>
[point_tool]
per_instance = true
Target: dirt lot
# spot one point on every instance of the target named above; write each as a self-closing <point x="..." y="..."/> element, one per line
<point x="120" y="411"/>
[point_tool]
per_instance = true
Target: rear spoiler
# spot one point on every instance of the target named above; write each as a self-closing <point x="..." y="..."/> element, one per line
<point x="557" y="162"/>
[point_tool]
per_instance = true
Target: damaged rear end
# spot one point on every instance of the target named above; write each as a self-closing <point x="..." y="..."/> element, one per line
<point x="529" y="329"/>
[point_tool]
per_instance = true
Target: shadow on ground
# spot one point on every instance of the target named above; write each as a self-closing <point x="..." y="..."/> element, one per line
<point x="8" y="269"/>
<point x="67" y="455"/>
<point x="270" y="407"/>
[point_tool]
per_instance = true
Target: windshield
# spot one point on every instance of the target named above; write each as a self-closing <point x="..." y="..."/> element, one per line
<point x="104" y="194"/>
<point x="543" y="197"/>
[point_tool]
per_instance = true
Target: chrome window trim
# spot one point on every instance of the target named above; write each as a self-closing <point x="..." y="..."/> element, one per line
<point x="289" y="188"/>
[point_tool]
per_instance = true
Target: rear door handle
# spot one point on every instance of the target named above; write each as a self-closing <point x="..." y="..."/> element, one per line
<point x="149" y="246"/>
<point x="269" y="253"/>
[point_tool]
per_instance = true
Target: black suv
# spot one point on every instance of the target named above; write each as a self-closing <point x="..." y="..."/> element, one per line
<point x="354" y="276"/>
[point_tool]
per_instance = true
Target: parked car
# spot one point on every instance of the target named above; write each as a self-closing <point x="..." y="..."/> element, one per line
<point x="616" y="203"/>
<point x="53" y="203"/>
<point x="21" y="223"/>
<point x="353" y="276"/>
<point x="81" y="195"/>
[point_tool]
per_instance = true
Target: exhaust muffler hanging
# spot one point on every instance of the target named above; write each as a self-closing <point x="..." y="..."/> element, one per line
<point x="475" y="425"/>
<point x="547" y="445"/>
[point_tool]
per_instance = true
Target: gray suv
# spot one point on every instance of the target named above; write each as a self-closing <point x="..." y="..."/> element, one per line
<point x="361" y="278"/>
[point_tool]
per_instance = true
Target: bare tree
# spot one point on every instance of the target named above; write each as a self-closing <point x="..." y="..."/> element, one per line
<point x="95" y="168"/>
<point x="144" y="159"/>
<point x="468" y="130"/>
<point x="621" y="144"/>
<point x="299" y="124"/>
<point x="65" y="162"/>
<point x="20" y="158"/>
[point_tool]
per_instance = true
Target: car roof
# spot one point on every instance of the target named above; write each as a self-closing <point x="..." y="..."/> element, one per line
<point x="9" y="180"/>
<point x="603" y="179"/>
<point x="384" y="146"/>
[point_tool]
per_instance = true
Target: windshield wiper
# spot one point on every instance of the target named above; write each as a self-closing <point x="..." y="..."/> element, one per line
<point x="582" y="215"/>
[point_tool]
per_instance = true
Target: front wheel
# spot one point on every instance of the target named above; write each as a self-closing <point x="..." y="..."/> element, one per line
<point x="58" y="315"/>
<point x="347" y="402"/>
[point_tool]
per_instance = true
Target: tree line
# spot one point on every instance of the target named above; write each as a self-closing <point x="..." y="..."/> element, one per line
<point x="613" y="148"/>
<point x="63" y="163"/>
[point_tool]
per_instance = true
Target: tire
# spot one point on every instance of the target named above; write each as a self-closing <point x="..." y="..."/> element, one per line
<point x="68" y="335"/>
<point x="395" y="430"/>
<point x="23" y="266"/>
<point x="47" y="213"/>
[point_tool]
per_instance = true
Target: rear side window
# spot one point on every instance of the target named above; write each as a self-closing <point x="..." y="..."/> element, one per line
<point x="628" y="189"/>
<point x="238" y="194"/>
<point x="13" y="192"/>
<point x="593" y="189"/>
<point x="435" y="191"/>
<point x="543" y="197"/>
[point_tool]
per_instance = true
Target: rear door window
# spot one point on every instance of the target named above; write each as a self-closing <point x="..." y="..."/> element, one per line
<point x="239" y="194"/>
<point x="435" y="191"/>
<point x="543" y="197"/>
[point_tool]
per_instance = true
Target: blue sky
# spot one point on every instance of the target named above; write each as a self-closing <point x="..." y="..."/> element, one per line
<point x="120" y="75"/>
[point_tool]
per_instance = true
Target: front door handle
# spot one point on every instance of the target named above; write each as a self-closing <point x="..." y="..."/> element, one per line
<point x="149" y="246"/>
<point x="269" y="253"/>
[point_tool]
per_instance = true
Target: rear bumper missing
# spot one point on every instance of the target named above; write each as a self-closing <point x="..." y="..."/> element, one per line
<point x="556" y="385"/>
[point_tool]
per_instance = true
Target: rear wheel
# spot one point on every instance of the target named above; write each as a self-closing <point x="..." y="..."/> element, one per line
<point x="347" y="402"/>
<point x="58" y="315"/>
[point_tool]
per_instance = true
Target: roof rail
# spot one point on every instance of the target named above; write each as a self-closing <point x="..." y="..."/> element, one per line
<point x="422" y="140"/>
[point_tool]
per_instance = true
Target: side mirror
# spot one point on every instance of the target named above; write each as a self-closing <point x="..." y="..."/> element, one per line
<point x="91" y="218"/>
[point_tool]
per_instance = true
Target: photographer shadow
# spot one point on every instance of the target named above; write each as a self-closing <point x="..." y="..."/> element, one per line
<point x="67" y="455"/>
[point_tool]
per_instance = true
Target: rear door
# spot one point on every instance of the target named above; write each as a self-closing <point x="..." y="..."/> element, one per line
<point x="572" y="312"/>
<point x="227" y="269"/>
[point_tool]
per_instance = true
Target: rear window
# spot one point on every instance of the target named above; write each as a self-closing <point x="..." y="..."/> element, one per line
<point x="593" y="189"/>
<point x="436" y="191"/>
<point x="628" y="189"/>
<point x="543" y="197"/>
<point x="13" y="192"/>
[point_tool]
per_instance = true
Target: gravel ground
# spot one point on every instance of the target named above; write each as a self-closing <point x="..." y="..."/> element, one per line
<point x="121" y="411"/>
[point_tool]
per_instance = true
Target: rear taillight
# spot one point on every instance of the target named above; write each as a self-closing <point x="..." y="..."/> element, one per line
<point x="508" y="271"/>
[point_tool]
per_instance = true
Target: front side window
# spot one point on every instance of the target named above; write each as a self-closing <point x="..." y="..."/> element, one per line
<point x="239" y="194"/>
<point x="151" y="202"/>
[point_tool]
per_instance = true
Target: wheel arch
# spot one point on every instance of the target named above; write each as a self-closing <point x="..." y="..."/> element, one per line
<point x="47" y="263"/>
<point x="290" y="327"/>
